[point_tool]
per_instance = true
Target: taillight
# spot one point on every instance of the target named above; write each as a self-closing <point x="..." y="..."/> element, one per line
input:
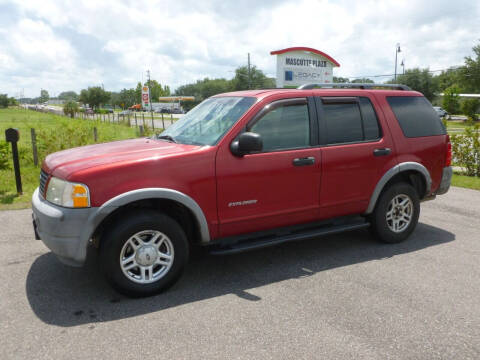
<point x="448" y="159"/>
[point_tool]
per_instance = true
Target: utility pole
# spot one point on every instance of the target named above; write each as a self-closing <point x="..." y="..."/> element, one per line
<point x="397" y="50"/>
<point x="149" y="93"/>
<point x="249" y="79"/>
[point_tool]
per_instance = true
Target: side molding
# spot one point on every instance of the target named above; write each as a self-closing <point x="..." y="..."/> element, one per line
<point x="397" y="169"/>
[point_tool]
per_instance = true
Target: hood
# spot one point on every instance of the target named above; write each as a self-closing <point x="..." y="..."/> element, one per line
<point x="67" y="162"/>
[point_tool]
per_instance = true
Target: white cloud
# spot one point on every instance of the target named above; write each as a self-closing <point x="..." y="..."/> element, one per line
<point x="73" y="44"/>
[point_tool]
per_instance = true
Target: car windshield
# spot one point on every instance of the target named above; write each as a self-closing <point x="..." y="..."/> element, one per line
<point x="206" y="123"/>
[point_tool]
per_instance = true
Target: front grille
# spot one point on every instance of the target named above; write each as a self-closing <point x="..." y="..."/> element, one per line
<point x="43" y="182"/>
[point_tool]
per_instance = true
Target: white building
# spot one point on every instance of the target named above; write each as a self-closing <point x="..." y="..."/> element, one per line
<point x="302" y="65"/>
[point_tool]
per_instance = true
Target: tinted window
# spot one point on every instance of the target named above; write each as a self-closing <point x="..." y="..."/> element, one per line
<point x="369" y="117"/>
<point x="344" y="123"/>
<point x="285" y="127"/>
<point x="416" y="116"/>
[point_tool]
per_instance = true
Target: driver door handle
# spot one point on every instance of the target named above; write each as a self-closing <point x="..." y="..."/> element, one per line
<point x="381" y="152"/>
<point x="304" y="161"/>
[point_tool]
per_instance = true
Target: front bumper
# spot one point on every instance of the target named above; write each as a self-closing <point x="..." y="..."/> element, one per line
<point x="61" y="229"/>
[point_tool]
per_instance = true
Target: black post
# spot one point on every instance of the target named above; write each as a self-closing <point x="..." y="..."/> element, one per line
<point x="143" y="119"/>
<point x="141" y="130"/>
<point x="34" y="146"/>
<point x="95" y="134"/>
<point x="163" y="123"/>
<point x="136" y="123"/>
<point x="153" y="125"/>
<point x="12" y="135"/>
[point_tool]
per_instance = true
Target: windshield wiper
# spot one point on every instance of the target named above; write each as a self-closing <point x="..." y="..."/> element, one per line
<point x="166" y="137"/>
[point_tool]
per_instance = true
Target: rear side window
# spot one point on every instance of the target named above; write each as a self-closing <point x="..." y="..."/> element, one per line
<point x="416" y="116"/>
<point x="344" y="123"/>
<point x="370" y="122"/>
<point x="348" y="122"/>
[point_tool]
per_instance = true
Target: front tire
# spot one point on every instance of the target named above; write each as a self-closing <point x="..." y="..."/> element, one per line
<point x="144" y="253"/>
<point x="396" y="213"/>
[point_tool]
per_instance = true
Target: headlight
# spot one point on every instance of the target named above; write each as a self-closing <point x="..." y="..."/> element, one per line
<point x="67" y="194"/>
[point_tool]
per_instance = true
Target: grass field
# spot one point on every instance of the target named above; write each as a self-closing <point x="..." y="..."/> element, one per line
<point x="469" y="182"/>
<point x="54" y="133"/>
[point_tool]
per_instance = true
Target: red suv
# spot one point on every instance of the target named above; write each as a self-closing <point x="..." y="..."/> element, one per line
<point x="245" y="170"/>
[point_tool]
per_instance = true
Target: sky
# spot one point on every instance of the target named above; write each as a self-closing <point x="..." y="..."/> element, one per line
<point x="70" y="45"/>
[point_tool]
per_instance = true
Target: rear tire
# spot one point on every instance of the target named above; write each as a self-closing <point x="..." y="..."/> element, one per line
<point x="144" y="253"/>
<point x="396" y="213"/>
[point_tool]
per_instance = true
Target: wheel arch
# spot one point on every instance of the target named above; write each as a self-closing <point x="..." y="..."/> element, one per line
<point x="412" y="172"/>
<point x="180" y="206"/>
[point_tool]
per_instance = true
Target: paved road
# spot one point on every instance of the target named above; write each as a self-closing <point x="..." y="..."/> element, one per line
<point x="339" y="297"/>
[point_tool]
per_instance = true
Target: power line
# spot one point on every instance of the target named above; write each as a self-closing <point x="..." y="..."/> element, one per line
<point x="385" y="75"/>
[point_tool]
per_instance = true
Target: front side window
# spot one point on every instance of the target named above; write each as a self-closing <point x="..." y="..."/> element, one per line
<point x="284" y="127"/>
<point x="206" y="123"/>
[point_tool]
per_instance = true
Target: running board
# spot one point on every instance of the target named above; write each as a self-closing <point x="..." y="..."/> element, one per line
<point x="311" y="233"/>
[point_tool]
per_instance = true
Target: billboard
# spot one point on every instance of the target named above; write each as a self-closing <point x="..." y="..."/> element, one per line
<point x="300" y="65"/>
<point x="145" y="96"/>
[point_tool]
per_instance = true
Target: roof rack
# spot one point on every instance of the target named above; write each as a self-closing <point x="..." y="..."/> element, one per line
<point x="353" y="85"/>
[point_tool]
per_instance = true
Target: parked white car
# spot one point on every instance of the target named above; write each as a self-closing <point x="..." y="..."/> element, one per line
<point x="441" y="112"/>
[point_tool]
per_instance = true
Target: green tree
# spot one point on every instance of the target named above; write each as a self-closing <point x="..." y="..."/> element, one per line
<point x="43" y="96"/>
<point x="70" y="108"/>
<point x="450" y="100"/>
<point x="4" y="100"/>
<point x="470" y="108"/>
<point x="94" y="96"/>
<point x="363" y="81"/>
<point x="255" y="80"/>
<point x="470" y="73"/>
<point x="68" y="95"/>
<point x="340" y="79"/>
<point x="418" y="79"/>
<point x="157" y="90"/>
<point x="447" y="79"/>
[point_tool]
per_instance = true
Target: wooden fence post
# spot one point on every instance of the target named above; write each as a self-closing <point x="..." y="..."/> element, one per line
<point x="95" y="134"/>
<point x="141" y="130"/>
<point x="163" y="123"/>
<point x="153" y="125"/>
<point x="143" y="119"/>
<point x="136" y="123"/>
<point x="34" y="146"/>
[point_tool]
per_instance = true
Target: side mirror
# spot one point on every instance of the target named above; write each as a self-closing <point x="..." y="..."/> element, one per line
<point x="246" y="143"/>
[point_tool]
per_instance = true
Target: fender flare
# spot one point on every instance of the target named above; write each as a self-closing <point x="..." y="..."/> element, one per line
<point x="141" y="194"/>
<point x="397" y="169"/>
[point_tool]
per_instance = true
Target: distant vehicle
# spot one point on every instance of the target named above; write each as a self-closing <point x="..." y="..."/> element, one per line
<point x="125" y="112"/>
<point x="108" y="109"/>
<point x="441" y="112"/>
<point x="89" y="111"/>
<point x="177" y="111"/>
<point x="136" y="107"/>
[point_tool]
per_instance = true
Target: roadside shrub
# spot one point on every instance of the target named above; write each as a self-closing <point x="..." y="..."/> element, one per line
<point x="4" y="154"/>
<point x="66" y="135"/>
<point x="469" y="108"/>
<point x="70" y="108"/>
<point x="466" y="150"/>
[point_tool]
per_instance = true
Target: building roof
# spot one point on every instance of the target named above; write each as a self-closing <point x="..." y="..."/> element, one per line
<point x="302" y="48"/>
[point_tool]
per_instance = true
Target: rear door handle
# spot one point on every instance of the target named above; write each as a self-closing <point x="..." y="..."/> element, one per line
<point x="382" y="152"/>
<point x="304" y="161"/>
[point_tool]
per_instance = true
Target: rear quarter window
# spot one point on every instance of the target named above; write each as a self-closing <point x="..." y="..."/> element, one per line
<point x="416" y="116"/>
